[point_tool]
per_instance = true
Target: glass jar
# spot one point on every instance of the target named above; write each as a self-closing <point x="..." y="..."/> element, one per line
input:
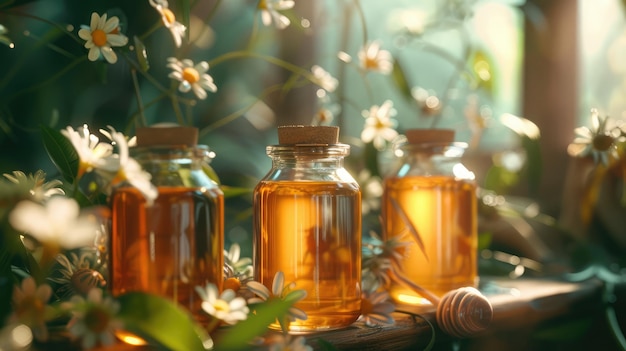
<point x="177" y="243"/>
<point x="431" y="197"/>
<point x="307" y="224"/>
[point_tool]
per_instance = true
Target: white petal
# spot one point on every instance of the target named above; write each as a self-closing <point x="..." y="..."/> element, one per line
<point x="108" y="54"/>
<point x="199" y="92"/>
<point x="94" y="53"/>
<point x="111" y="24"/>
<point x="95" y="18"/>
<point x="117" y="39"/>
<point x="84" y="34"/>
<point x="261" y="290"/>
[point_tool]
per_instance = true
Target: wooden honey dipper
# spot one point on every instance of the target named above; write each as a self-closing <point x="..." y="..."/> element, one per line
<point x="460" y="313"/>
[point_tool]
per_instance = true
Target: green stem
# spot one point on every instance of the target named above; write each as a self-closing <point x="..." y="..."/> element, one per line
<point x="255" y="29"/>
<point x="41" y="19"/>
<point x="168" y="92"/>
<point x="270" y="59"/>
<point x="49" y="80"/>
<point x="140" y="105"/>
<point x="177" y="112"/>
<point x="341" y="74"/>
<point x="611" y="317"/>
<point x="145" y="105"/>
<point x="231" y="117"/>
<point x="361" y="14"/>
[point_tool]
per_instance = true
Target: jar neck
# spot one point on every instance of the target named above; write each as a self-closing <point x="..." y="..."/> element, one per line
<point x="308" y="156"/>
<point x="183" y="156"/>
<point x="425" y="151"/>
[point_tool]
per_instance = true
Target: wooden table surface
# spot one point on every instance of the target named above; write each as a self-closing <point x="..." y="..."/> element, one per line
<point x="519" y="305"/>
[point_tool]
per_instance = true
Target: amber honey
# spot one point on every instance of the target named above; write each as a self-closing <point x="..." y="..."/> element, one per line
<point x="310" y="231"/>
<point x="442" y="210"/>
<point x="168" y="248"/>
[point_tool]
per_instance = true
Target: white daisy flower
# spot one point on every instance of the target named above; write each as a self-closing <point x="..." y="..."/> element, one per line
<point x="379" y="127"/>
<point x="269" y="12"/>
<point x="35" y="185"/>
<point x="241" y="266"/>
<point x="226" y="307"/>
<point x="57" y="222"/>
<point x="599" y="141"/>
<point x="394" y="248"/>
<point x="376" y="309"/>
<point x="30" y="307"/>
<point x="324" y="79"/>
<point x="169" y="20"/>
<point x="94" y="319"/>
<point x="76" y="275"/>
<point x="288" y="342"/>
<point x="279" y="291"/>
<point x="101" y="36"/>
<point x="379" y="257"/>
<point x="323" y="117"/>
<point x="373" y="58"/>
<point x="126" y="169"/>
<point x="91" y="152"/>
<point x="192" y="77"/>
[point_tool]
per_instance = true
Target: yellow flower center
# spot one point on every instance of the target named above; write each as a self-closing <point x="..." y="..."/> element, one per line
<point x="97" y="319"/>
<point x="602" y="142"/>
<point x="221" y="306"/>
<point x="99" y="37"/>
<point x="233" y="284"/>
<point x="380" y="124"/>
<point x="168" y="16"/>
<point x="191" y="75"/>
<point x="370" y="63"/>
<point x="262" y="5"/>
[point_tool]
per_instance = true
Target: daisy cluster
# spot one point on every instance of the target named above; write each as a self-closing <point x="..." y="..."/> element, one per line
<point x="64" y="235"/>
<point x="58" y="230"/>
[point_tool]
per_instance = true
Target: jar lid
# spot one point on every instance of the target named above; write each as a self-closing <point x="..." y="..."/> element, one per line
<point x="299" y="134"/>
<point x="428" y="136"/>
<point x="167" y="136"/>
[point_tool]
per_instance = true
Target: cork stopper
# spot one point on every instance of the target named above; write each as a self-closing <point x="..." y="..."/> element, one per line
<point x="423" y="136"/>
<point x="298" y="134"/>
<point x="167" y="135"/>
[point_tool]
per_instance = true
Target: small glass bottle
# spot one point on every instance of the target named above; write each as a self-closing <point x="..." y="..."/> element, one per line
<point x="177" y="243"/>
<point x="307" y="224"/>
<point x="432" y="195"/>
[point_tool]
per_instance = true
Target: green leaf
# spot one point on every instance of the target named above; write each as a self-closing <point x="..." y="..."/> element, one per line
<point x="230" y="191"/>
<point x="61" y="152"/>
<point x="484" y="240"/>
<point x="186" y="15"/>
<point x="399" y="78"/>
<point x="210" y="172"/>
<point x="160" y="320"/>
<point x="482" y="68"/>
<point x="142" y="54"/>
<point x="500" y="179"/>
<point x="240" y="336"/>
